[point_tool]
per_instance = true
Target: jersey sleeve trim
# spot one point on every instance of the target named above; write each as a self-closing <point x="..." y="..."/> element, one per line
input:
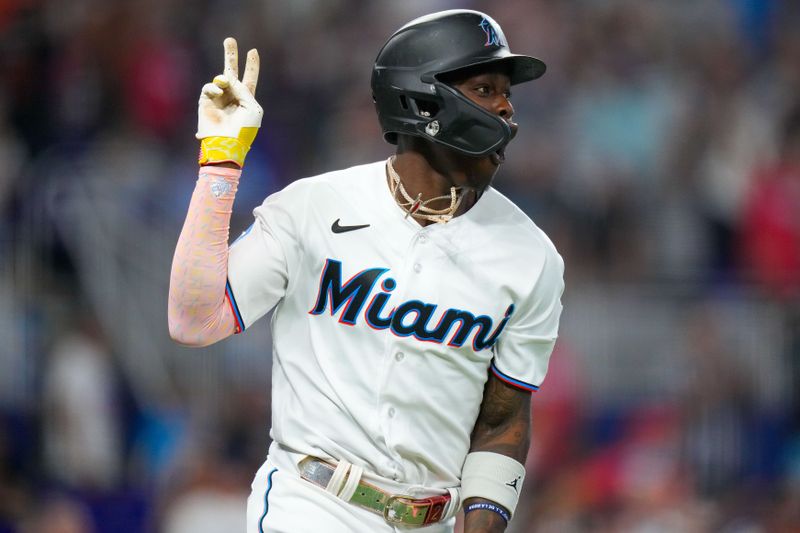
<point x="512" y="381"/>
<point x="245" y="232"/>
<point x="234" y="307"/>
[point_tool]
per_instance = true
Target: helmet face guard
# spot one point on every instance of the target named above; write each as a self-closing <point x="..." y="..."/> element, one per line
<point x="411" y="98"/>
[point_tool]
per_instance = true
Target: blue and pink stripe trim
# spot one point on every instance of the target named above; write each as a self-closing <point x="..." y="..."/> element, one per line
<point x="512" y="381"/>
<point x="234" y="307"/>
<point x="266" y="501"/>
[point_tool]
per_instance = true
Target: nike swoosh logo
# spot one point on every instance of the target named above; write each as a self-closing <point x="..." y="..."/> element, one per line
<point x="336" y="228"/>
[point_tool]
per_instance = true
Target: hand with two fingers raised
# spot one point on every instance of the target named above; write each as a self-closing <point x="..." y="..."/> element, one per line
<point x="228" y="114"/>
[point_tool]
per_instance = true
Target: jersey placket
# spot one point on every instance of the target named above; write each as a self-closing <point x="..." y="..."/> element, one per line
<point x="400" y="352"/>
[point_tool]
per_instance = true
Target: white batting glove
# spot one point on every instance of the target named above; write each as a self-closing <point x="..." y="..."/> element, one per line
<point x="228" y="116"/>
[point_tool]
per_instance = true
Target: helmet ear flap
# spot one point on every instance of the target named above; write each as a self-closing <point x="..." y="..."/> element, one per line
<point x="445" y="117"/>
<point x="416" y="111"/>
<point x="425" y="108"/>
<point x="463" y="125"/>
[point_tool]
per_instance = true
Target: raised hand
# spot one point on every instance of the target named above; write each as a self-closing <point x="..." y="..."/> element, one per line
<point x="228" y="115"/>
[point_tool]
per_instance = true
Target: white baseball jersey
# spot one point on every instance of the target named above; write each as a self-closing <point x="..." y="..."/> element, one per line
<point x="385" y="331"/>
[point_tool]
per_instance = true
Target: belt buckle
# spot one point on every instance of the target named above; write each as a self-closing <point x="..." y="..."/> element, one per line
<point x="389" y="513"/>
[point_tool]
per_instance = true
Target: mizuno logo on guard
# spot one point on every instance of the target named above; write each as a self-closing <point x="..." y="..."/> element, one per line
<point x="412" y="318"/>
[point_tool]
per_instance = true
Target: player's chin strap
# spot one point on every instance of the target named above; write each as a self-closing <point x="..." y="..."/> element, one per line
<point x="418" y="208"/>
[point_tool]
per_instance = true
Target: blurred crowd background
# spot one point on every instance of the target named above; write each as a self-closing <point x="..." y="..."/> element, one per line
<point x="661" y="153"/>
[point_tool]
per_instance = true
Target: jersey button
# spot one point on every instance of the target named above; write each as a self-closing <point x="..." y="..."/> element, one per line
<point x="417" y="268"/>
<point x="399" y="356"/>
<point x="391" y="412"/>
<point x="423" y="238"/>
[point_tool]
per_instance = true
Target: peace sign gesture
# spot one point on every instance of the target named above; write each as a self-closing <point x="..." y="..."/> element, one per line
<point x="228" y="114"/>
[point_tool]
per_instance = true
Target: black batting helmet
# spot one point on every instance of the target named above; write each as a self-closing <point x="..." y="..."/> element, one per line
<point x="410" y="96"/>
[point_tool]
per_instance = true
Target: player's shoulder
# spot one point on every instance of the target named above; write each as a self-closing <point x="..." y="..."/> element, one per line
<point x="340" y="179"/>
<point x="325" y="188"/>
<point x="508" y="220"/>
<point x="508" y="227"/>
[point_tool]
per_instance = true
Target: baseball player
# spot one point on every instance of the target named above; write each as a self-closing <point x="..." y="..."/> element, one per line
<point x="415" y="307"/>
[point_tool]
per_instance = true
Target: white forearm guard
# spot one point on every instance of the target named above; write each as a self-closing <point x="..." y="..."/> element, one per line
<point x="492" y="476"/>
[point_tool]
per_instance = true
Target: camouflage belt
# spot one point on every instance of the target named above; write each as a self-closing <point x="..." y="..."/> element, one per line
<point x="395" y="509"/>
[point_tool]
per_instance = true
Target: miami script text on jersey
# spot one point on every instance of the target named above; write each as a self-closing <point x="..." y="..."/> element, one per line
<point x="410" y="318"/>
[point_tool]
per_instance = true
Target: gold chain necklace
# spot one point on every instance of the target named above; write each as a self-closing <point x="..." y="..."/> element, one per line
<point x="418" y="208"/>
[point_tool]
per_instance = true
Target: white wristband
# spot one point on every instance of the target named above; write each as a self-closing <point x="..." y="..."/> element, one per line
<point x="492" y="476"/>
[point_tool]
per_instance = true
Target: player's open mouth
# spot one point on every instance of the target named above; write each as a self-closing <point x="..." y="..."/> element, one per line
<point x="498" y="156"/>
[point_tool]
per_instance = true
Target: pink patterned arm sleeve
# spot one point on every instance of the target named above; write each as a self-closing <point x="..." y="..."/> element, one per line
<point x="199" y="311"/>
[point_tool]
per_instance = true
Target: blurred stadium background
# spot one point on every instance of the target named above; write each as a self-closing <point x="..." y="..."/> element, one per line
<point x="661" y="152"/>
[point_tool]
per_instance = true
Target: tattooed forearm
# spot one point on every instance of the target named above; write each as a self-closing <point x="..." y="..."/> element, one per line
<point x="503" y="424"/>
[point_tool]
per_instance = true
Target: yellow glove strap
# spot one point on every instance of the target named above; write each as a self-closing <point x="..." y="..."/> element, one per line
<point x="227" y="149"/>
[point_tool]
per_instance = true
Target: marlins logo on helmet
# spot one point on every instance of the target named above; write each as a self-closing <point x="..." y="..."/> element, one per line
<point x="492" y="38"/>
